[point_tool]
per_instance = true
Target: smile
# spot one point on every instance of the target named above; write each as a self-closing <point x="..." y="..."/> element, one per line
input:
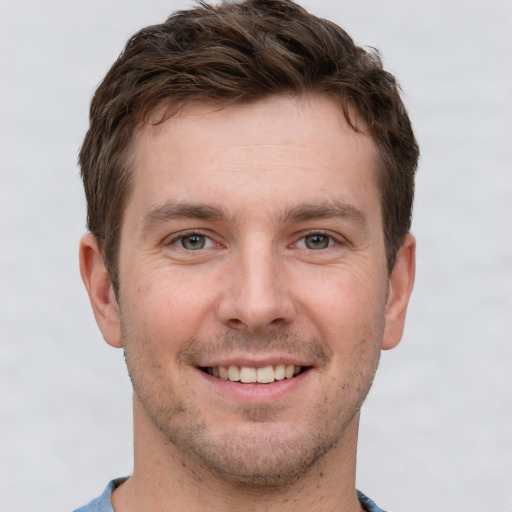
<point x="245" y="374"/>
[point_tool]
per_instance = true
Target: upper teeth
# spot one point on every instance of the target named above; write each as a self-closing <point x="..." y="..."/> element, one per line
<point x="247" y="374"/>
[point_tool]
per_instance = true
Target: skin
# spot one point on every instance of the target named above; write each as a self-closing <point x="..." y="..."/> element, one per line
<point x="283" y="194"/>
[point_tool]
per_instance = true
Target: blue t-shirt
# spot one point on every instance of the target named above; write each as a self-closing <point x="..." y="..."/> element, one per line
<point x="103" y="503"/>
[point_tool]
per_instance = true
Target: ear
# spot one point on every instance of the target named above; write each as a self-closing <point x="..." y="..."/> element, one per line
<point x="99" y="287"/>
<point x="400" y="288"/>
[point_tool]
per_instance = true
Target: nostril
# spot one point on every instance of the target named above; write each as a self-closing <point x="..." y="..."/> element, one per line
<point x="237" y="324"/>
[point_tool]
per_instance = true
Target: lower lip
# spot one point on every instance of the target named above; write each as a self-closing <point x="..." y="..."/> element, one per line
<point x="256" y="392"/>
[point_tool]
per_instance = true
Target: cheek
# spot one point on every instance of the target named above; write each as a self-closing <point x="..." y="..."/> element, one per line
<point x="346" y="300"/>
<point x="348" y="312"/>
<point x="152" y="334"/>
<point x="167" y="307"/>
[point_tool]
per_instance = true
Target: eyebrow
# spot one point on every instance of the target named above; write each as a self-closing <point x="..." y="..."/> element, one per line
<point x="326" y="210"/>
<point x="169" y="210"/>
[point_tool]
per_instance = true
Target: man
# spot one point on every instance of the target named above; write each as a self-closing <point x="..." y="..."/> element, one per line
<point x="249" y="174"/>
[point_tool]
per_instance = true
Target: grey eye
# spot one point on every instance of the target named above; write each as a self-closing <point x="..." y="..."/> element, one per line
<point x="193" y="242"/>
<point x="317" y="241"/>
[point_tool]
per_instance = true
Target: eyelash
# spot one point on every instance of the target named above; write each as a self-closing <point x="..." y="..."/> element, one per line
<point x="332" y="240"/>
<point x="177" y="241"/>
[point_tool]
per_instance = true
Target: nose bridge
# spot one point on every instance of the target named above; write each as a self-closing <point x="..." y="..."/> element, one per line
<point x="255" y="297"/>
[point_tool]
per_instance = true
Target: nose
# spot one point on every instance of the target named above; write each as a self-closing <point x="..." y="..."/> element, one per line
<point x="257" y="295"/>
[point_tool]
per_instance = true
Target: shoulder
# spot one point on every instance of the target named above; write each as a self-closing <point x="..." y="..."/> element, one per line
<point x="102" y="503"/>
<point x="367" y="503"/>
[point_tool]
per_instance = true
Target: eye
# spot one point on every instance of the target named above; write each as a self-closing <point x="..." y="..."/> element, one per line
<point x="316" y="241"/>
<point x="194" y="242"/>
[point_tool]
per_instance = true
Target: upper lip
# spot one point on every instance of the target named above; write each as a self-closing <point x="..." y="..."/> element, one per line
<point x="251" y="361"/>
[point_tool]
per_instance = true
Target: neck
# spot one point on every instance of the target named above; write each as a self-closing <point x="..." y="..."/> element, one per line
<point x="164" y="479"/>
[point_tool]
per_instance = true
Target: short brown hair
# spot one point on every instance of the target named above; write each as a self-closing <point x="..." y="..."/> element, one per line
<point x="241" y="52"/>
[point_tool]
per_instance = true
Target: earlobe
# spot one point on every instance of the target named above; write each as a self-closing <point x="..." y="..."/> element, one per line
<point x="97" y="282"/>
<point x="400" y="288"/>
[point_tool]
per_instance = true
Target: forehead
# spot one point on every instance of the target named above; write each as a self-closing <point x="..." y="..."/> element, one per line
<point x="290" y="149"/>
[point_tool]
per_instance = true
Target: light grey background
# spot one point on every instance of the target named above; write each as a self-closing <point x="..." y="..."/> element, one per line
<point x="436" y="431"/>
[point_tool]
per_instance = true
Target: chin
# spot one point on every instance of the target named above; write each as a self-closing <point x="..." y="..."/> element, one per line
<point x="261" y="461"/>
<point x="253" y="454"/>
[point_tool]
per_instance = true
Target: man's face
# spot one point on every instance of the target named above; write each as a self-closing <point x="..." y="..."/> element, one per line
<point x="252" y="245"/>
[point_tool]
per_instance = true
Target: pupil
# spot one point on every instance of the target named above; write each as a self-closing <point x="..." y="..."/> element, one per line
<point x="317" y="242"/>
<point x="193" y="242"/>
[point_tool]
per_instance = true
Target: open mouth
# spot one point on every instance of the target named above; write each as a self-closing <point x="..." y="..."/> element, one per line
<point x="247" y="375"/>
